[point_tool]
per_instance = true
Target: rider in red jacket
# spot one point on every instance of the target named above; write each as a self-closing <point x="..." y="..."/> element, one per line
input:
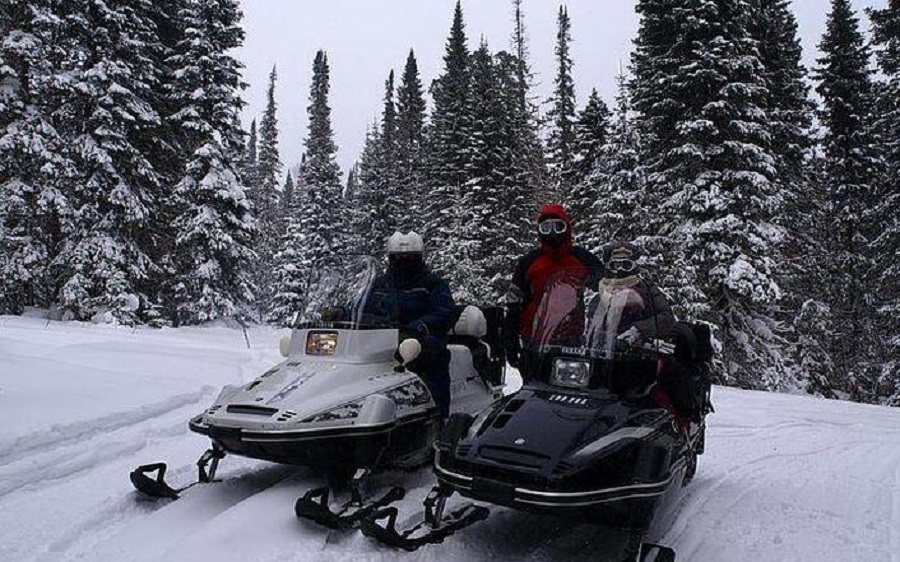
<point x="534" y="269"/>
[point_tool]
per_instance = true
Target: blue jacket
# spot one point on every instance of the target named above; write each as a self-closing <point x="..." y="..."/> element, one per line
<point x="424" y="302"/>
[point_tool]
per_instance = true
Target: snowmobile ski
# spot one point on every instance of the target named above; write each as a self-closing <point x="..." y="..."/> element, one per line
<point x="433" y="529"/>
<point x="313" y="505"/>
<point x="159" y="488"/>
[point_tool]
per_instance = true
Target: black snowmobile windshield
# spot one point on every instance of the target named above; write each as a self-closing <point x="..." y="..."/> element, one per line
<point x="609" y="325"/>
<point x="348" y="293"/>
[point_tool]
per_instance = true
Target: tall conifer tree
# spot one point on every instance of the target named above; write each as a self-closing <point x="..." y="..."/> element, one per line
<point x="561" y="142"/>
<point x="450" y="147"/>
<point x="845" y="84"/>
<point x="411" y="144"/>
<point x="886" y="32"/>
<point x="701" y="97"/>
<point x="112" y="59"/>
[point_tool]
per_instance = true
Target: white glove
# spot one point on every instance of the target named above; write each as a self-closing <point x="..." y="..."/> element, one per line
<point x="631" y="336"/>
<point x="662" y="346"/>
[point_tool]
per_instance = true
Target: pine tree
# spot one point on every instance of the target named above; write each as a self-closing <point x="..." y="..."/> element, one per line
<point x="612" y="196"/>
<point x="322" y="227"/>
<point x="249" y="173"/>
<point x="287" y="195"/>
<point x="886" y="35"/>
<point x="519" y="78"/>
<point x="288" y="277"/>
<point x="450" y="148"/>
<point x="370" y="217"/>
<point x="790" y="115"/>
<point x="700" y="95"/>
<point x="561" y="141"/>
<point x="33" y="162"/>
<point x="410" y="165"/>
<point x="590" y="134"/>
<point x="213" y="226"/>
<point x="265" y="192"/>
<point x="111" y="60"/>
<point x="591" y="130"/>
<point x="845" y="85"/>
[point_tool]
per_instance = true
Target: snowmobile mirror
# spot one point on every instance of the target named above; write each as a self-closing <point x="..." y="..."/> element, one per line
<point x="284" y="345"/>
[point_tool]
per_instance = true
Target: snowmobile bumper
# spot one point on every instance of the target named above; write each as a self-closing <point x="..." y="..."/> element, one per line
<point x="626" y="505"/>
<point x="321" y="447"/>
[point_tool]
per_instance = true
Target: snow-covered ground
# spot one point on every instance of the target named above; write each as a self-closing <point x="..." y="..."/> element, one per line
<point x="785" y="478"/>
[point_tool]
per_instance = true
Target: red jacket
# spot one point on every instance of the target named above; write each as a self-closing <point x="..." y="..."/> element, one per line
<point x="535" y="268"/>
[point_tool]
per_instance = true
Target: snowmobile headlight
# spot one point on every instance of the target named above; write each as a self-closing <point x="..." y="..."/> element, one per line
<point x="572" y="373"/>
<point x="321" y="343"/>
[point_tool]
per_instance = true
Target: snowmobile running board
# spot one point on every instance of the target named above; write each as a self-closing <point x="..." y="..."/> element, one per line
<point x="313" y="505"/>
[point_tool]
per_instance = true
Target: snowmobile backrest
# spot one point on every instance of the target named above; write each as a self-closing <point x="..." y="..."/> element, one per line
<point x="703" y="334"/>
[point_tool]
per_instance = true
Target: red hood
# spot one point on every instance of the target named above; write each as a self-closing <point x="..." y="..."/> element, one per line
<point x="555" y="210"/>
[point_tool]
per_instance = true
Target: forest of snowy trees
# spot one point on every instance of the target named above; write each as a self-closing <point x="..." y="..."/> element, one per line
<point x="766" y="195"/>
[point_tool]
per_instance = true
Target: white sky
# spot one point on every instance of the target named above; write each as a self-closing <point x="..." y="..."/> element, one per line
<point x="365" y="39"/>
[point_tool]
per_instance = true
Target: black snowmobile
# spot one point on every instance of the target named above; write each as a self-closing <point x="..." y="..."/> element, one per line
<point x="341" y="401"/>
<point x="594" y="433"/>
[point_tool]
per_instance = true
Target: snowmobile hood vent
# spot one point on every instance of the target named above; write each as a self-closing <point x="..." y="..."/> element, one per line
<point x="251" y="410"/>
<point x="514" y="457"/>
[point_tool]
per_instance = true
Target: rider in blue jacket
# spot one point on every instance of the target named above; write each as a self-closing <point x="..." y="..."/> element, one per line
<point x="425" y="310"/>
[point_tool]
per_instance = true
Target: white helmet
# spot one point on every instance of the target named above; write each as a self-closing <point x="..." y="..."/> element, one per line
<point x="409" y="243"/>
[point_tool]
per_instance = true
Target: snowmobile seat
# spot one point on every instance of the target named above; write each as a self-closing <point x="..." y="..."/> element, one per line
<point x="470" y="331"/>
<point x="687" y="380"/>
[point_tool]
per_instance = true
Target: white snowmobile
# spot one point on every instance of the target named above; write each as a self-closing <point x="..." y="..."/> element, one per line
<point x="341" y="401"/>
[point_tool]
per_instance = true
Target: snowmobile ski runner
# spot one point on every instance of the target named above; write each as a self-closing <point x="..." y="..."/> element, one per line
<point x="434" y="527"/>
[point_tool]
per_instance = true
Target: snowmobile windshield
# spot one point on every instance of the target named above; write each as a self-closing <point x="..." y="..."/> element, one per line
<point x="349" y="293"/>
<point x="590" y="332"/>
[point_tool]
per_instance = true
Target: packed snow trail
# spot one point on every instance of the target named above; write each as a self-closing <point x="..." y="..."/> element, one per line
<point x="784" y="478"/>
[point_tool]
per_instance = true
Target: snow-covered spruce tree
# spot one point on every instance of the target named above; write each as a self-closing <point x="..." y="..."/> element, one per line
<point x="515" y="70"/>
<point x="112" y="66"/>
<point x="410" y="163"/>
<point x="700" y="95"/>
<point x="612" y="205"/>
<point x="287" y="196"/>
<point x="561" y="137"/>
<point x="590" y="134"/>
<point x="33" y="164"/>
<point x="790" y="114"/>
<point x="886" y="36"/>
<point x="370" y="224"/>
<point x="481" y="204"/>
<point x="395" y="200"/>
<point x="450" y="149"/>
<point x="265" y="192"/>
<point x="591" y="130"/>
<point x="213" y="224"/>
<point x="288" y="277"/>
<point x="851" y="164"/>
<point x="248" y="165"/>
<point x="321" y="212"/>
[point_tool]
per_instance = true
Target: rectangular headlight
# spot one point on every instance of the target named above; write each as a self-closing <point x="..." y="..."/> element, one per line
<point x="572" y="373"/>
<point x="321" y="343"/>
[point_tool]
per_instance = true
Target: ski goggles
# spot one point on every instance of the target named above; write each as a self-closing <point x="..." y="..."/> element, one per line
<point x="621" y="266"/>
<point x="551" y="226"/>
